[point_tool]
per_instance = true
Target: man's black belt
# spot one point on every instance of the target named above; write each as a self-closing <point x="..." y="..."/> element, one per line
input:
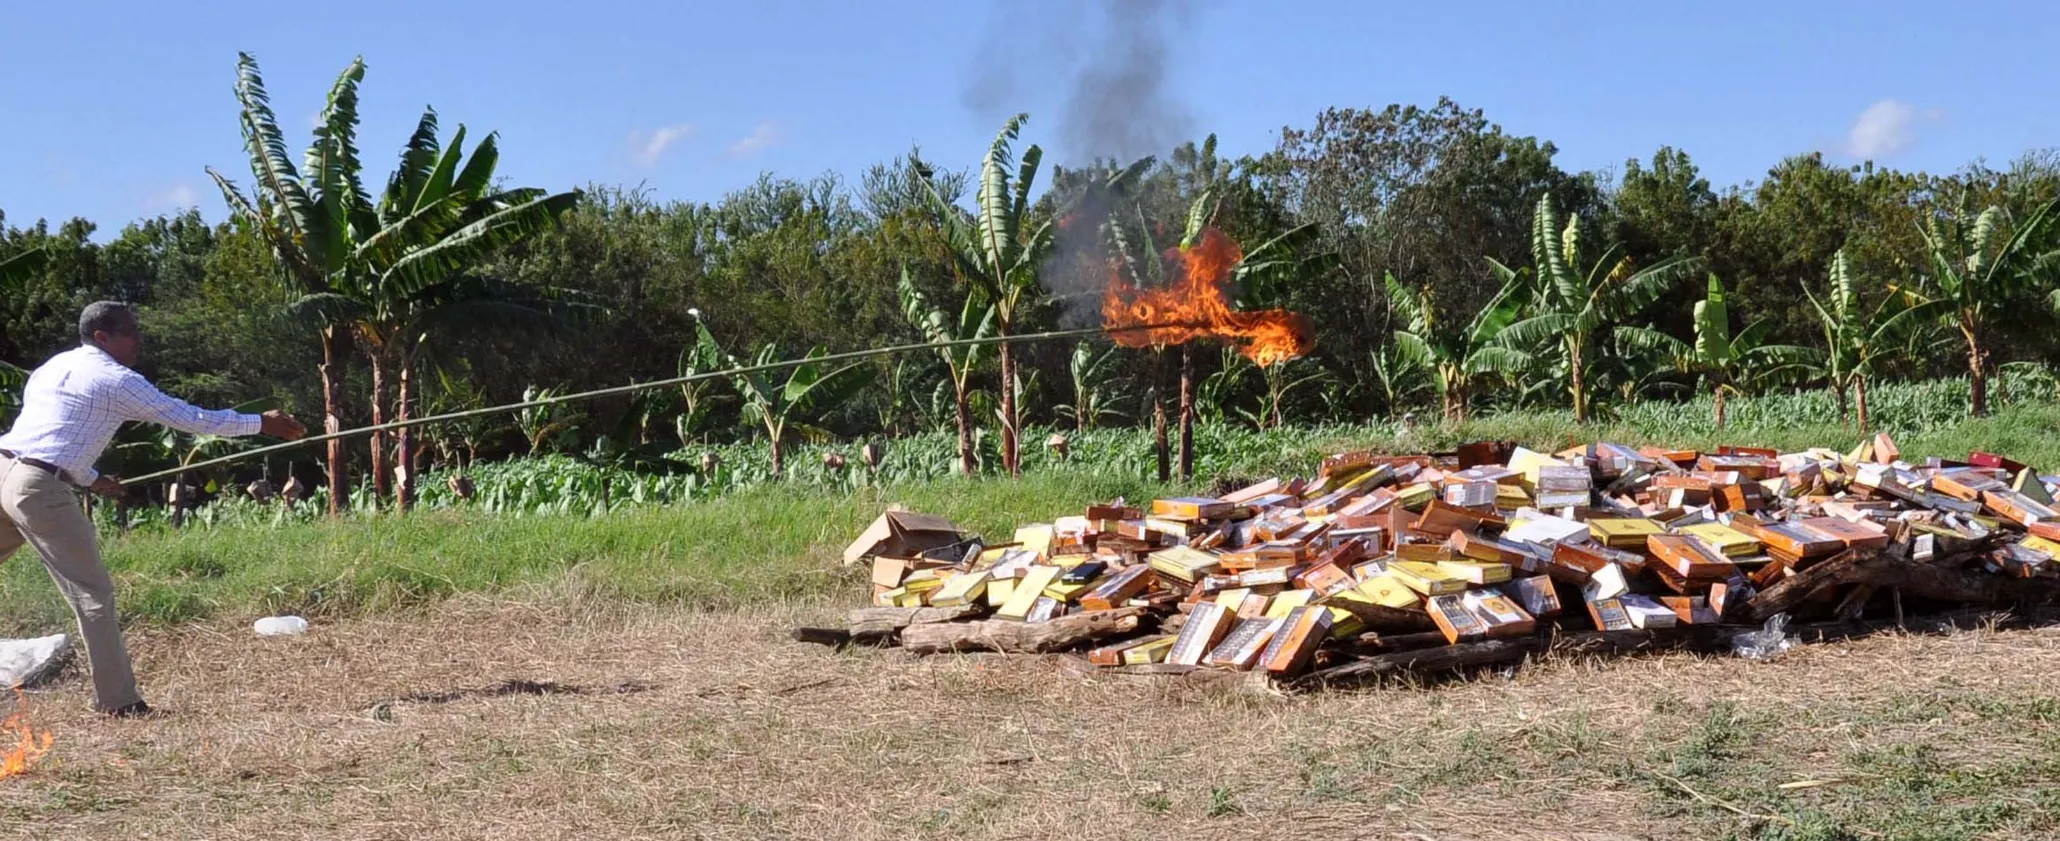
<point x="42" y="465"/>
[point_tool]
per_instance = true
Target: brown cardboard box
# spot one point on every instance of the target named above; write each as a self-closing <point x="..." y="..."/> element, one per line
<point x="902" y="534"/>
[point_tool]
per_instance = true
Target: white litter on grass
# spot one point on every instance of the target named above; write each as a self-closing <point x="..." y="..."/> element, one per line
<point x="280" y="626"/>
<point x="25" y="662"/>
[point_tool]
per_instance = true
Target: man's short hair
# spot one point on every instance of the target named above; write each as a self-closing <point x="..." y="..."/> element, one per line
<point x="110" y="316"/>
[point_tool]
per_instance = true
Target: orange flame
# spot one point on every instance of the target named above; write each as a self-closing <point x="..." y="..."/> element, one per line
<point x="1195" y="306"/>
<point x="27" y="747"/>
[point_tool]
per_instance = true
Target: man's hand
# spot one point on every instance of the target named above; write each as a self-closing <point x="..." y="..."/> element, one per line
<point x="107" y="486"/>
<point x="282" y="426"/>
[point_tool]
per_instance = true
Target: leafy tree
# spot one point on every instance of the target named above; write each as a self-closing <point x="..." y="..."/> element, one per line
<point x="1573" y="308"/>
<point x="1665" y="208"/>
<point x="974" y="321"/>
<point x="14" y="271"/>
<point x="1980" y="264"/>
<point x="998" y="252"/>
<point x="1456" y="359"/>
<point x="1420" y="191"/>
<point x="1727" y="363"/>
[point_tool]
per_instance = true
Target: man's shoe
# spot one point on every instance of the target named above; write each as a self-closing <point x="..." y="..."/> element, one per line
<point x="135" y="710"/>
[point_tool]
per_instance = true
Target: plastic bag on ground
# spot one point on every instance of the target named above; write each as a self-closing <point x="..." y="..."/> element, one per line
<point x="1771" y="639"/>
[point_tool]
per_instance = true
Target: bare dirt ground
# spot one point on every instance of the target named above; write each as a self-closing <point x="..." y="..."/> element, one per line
<point x="504" y="719"/>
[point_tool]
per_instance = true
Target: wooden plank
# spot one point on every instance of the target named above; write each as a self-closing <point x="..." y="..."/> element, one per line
<point x="877" y="623"/>
<point x="1021" y="637"/>
<point x="1940" y="580"/>
<point x="1384" y="618"/>
<point x="1426" y="660"/>
<point x="833" y="637"/>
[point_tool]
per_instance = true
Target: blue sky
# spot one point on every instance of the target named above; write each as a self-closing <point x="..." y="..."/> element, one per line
<point x="111" y="110"/>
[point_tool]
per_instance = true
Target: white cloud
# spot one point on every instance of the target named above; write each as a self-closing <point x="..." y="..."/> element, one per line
<point x="646" y="147"/>
<point x="176" y="197"/>
<point x="1885" y="128"/>
<point x="766" y="134"/>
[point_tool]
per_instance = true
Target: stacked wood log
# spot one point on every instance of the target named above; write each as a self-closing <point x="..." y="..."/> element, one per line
<point x="1490" y="554"/>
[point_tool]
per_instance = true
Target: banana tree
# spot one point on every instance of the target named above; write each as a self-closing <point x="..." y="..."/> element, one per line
<point x="1281" y="380"/>
<point x="1855" y="339"/>
<point x="1091" y="386"/>
<point x="306" y="220"/>
<point x="696" y="396"/>
<point x="1398" y="375"/>
<point x="364" y="269"/>
<point x="997" y="252"/>
<point x="975" y="320"/>
<point x="408" y="279"/>
<point x="802" y="399"/>
<point x="1728" y="363"/>
<point x="541" y="425"/>
<point x="1457" y="359"/>
<point x="457" y="442"/>
<point x="1978" y="274"/>
<point x="1573" y="308"/>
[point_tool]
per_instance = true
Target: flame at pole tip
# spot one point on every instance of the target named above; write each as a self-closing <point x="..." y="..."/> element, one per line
<point x="1196" y="305"/>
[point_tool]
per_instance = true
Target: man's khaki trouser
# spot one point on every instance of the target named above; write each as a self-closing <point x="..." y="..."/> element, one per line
<point x="43" y="511"/>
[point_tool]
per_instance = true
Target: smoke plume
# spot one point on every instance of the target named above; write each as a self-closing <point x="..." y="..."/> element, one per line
<point x="1113" y="57"/>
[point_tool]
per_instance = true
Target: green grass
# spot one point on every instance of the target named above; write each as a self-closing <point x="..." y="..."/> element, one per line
<point x="771" y="540"/>
<point x="753" y="546"/>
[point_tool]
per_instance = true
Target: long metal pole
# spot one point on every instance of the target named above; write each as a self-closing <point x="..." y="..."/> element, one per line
<point x="634" y="387"/>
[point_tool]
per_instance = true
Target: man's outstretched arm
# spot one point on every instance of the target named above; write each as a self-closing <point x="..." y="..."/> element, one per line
<point x="138" y="400"/>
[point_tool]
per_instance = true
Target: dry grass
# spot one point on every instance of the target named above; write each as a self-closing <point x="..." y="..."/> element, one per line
<point x="647" y="722"/>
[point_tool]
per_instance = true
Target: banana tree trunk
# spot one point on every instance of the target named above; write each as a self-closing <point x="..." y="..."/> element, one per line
<point x="1008" y="410"/>
<point x="1275" y="393"/>
<point x="1159" y="438"/>
<point x="404" y="449"/>
<point x="962" y="413"/>
<point x="382" y="476"/>
<point x="1159" y="416"/>
<point x="1860" y="399"/>
<point x="1187" y="414"/>
<point x="334" y="351"/>
<point x="1838" y="387"/>
<point x="1977" y="373"/>
<point x="1455" y="403"/>
<point x="1580" y="381"/>
<point x="779" y="458"/>
<point x="1719" y="397"/>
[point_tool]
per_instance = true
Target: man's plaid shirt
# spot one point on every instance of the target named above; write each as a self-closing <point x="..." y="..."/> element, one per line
<point x="74" y="403"/>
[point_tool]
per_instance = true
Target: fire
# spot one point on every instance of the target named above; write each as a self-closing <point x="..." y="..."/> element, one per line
<point x="27" y="747"/>
<point x="1195" y="305"/>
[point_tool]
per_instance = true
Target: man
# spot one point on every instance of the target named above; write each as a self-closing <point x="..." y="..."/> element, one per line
<point x="70" y="410"/>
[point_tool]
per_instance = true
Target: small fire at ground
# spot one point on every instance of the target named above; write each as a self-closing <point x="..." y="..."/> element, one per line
<point x="28" y="747"/>
<point x="1197" y="304"/>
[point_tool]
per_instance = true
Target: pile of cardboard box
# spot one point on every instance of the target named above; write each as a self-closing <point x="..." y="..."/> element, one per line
<point x="1491" y="541"/>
